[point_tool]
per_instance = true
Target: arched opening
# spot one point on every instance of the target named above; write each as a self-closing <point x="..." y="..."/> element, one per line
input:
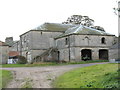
<point x="86" y="54"/>
<point x="103" y="54"/>
<point x="66" y="41"/>
<point x="103" y="40"/>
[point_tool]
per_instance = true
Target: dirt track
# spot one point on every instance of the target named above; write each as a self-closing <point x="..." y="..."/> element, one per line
<point x="39" y="77"/>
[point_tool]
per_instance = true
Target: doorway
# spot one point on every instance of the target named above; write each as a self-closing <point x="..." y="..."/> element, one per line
<point x="103" y="54"/>
<point x="86" y="54"/>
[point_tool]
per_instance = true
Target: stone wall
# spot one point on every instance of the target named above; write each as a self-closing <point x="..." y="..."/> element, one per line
<point x="4" y="54"/>
<point x="43" y="40"/>
<point x="15" y="46"/>
<point x="93" y="40"/>
<point x="72" y="51"/>
<point x="113" y="54"/>
<point x="36" y="42"/>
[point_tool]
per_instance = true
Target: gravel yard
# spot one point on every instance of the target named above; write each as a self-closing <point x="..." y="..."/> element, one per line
<point x="40" y="77"/>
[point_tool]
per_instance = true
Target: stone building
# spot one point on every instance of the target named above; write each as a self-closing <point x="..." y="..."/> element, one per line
<point x="9" y="41"/>
<point x="52" y="41"/>
<point x="114" y="53"/>
<point x="84" y="43"/>
<point x="38" y="43"/>
<point x="4" y="50"/>
<point x="13" y="45"/>
<point x="14" y="50"/>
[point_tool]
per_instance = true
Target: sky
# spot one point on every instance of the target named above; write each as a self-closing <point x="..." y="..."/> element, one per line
<point x="20" y="16"/>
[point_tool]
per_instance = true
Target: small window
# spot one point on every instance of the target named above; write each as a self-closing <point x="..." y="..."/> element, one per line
<point x="66" y="41"/>
<point x="103" y="41"/>
<point x="25" y="39"/>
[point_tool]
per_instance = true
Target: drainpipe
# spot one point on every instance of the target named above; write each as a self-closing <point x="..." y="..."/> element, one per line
<point x="69" y="46"/>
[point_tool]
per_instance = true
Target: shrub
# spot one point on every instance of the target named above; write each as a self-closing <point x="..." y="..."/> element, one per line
<point x="21" y="60"/>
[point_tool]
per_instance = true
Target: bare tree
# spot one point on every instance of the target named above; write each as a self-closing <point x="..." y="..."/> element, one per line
<point x="117" y="9"/>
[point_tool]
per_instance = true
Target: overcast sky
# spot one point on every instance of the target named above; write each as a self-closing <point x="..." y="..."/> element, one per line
<point x="19" y="16"/>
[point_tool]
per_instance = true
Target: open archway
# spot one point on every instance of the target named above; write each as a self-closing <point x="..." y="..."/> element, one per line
<point x="103" y="54"/>
<point x="86" y="54"/>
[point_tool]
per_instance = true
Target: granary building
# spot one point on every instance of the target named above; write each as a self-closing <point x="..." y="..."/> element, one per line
<point x="65" y="42"/>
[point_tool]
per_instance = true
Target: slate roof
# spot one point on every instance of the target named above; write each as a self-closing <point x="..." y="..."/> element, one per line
<point x="83" y="30"/>
<point x="54" y="27"/>
<point x="11" y="43"/>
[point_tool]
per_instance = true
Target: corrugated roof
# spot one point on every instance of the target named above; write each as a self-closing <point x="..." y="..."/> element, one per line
<point x="80" y="29"/>
<point x="54" y="27"/>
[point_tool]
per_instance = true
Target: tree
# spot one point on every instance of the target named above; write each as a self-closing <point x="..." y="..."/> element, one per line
<point x="117" y="9"/>
<point x="79" y="20"/>
<point x="82" y="20"/>
<point x="98" y="28"/>
<point x="21" y="60"/>
<point x="117" y="12"/>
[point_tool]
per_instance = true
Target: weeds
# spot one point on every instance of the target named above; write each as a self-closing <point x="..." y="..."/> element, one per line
<point x="27" y="83"/>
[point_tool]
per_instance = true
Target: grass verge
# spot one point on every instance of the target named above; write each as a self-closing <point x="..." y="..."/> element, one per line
<point x="5" y="77"/>
<point x="96" y="76"/>
<point x="38" y="64"/>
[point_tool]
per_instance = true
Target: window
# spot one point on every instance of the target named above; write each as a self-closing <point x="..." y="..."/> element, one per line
<point x="25" y="39"/>
<point x="103" y="41"/>
<point x="66" y="41"/>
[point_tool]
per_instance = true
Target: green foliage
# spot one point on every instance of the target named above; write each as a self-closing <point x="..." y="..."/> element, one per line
<point x="39" y="64"/>
<point x="21" y="60"/>
<point x="97" y="76"/>
<point x="5" y="77"/>
<point x="0" y="79"/>
<point x="79" y="20"/>
<point x="86" y="58"/>
<point x="13" y="65"/>
<point x="88" y="61"/>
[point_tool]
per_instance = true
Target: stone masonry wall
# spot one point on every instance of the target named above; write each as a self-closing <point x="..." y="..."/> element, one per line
<point x="80" y="42"/>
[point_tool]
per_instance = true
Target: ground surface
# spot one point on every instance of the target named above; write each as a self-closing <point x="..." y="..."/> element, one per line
<point x="95" y="76"/>
<point x="39" y="77"/>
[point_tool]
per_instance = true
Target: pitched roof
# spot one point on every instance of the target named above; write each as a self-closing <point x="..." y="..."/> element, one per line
<point x="54" y="27"/>
<point x="12" y="42"/>
<point x="13" y="53"/>
<point x="83" y="30"/>
<point x="3" y="43"/>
